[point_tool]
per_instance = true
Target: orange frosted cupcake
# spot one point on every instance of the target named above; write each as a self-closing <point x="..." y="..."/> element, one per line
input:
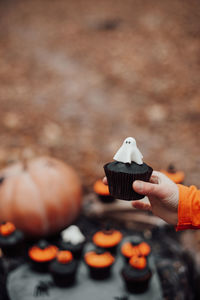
<point x="41" y="255"/>
<point x="137" y="275"/>
<point x="11" y="240"/>
<point x="99" y="263"/>
<point x="63" y="269"/>
<point x="107" y="239"/>
<point x="102" y="191"/>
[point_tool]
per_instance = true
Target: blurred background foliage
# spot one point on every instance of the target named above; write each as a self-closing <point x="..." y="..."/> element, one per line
<point x="77" y="77"/>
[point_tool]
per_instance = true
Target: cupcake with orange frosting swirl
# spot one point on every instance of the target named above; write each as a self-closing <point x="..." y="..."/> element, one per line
<point x="63" y="269"/>
<point x="99" y="263"/>
<point x="137" y="275"/>
<point x="41" y="255"/>
<point x="11" y="240"/>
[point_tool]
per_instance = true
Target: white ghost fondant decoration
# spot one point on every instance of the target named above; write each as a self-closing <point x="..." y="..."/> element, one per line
<point x="129" y="152"/>
<point x="73" y="235"/>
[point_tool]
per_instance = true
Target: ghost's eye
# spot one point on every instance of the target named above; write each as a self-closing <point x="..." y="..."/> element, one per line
<point x="126" y="142"/>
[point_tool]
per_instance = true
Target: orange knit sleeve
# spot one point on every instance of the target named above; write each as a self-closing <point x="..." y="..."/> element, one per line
<point x="188" y="208"/>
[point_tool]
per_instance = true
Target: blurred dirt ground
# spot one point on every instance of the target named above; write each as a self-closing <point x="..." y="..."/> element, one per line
<point x="77" y="77"/>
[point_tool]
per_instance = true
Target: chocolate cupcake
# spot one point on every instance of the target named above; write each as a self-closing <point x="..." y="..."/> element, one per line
<point x="99" y="263"/>
<point x="135" y="247"/>
<point x="127" y="167"/>
<point x="41" y="255"/>
<point x="11" y="240"/>
<point x="73" y="240"/>
<point x="173" y="174"/>
<point x="102" y="191"/>
<point x="63" y="269"/>
<point x="107" y="239"/>
<point x="137" y="275"/>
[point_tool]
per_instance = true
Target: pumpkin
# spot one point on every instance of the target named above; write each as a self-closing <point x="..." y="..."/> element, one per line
<point x="41" y="196"/>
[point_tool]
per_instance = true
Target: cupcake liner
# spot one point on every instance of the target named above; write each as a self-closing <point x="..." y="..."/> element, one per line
<point x="106" y="199"/>
<point x="136" y="281"/>
<point x="120" y="184"/>
<point x="100" y="273"/>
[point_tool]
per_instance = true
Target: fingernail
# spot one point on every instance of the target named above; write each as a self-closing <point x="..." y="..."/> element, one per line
<point x="138" y="185"/>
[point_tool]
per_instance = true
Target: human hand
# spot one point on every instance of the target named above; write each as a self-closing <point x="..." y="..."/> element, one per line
<point x="163" y="197"/>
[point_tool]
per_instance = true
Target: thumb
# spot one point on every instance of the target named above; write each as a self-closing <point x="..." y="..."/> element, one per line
<point x="147" y="188"/>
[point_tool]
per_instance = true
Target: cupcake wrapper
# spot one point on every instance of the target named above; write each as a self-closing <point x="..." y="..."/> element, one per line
<point x="100" y="273"/>
<point x="120" y="184"/>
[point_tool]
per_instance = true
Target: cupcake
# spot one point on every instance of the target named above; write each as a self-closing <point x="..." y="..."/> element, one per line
<point x="73" y="240"/>
<point x="63" y="269"/>
<point x="107" y="239"/>
<point x="137" y="275"/>
<point x="11" y="240"/>
<point x="99" y="263"/>
<point x="173" y="174"/>
<point x="127" y="167"/>
<point x="41" y="255"/>
<point x="135" y="247"/>
<point x="102" y="191"/>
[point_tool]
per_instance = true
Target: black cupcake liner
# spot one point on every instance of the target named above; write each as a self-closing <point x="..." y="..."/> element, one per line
<point x="13" y="245"/>
<point x="137" y="285"/>
<point x="40" y="267"/>
<point x="100" y="273"/>
<point x="64" y="275"/>
<point x="106" y="199"/>
<point x="121" y="184"/>
<point x="13" y="250"/>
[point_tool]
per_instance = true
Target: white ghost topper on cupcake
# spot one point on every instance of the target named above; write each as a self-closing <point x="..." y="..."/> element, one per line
<point x="129" y="152"/>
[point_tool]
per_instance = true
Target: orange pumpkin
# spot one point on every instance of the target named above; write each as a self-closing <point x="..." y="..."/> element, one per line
<point x="41" y="197"/>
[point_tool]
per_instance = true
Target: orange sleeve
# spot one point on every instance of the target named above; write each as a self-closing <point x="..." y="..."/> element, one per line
<point x="188" y="208"/>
